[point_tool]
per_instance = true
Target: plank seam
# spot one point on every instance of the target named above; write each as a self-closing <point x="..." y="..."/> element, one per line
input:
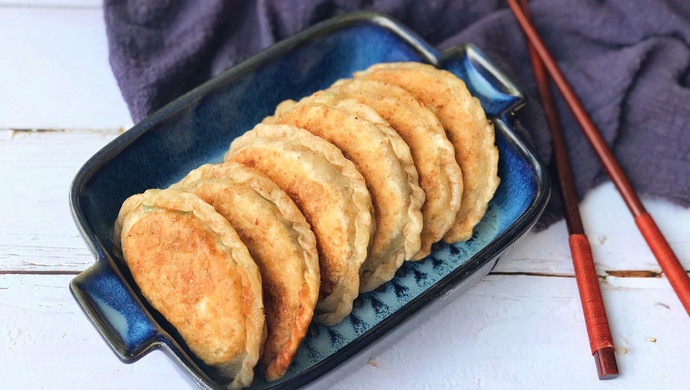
<point x="51" y="272"/>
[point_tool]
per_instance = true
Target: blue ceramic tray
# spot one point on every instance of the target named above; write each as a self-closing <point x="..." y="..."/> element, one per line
<point x="198" y="127"/>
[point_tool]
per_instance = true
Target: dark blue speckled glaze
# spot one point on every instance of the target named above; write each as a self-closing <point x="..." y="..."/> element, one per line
<point x="198" y="128"/>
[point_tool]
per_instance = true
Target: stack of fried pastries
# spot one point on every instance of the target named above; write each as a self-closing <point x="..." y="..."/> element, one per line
<point x="321" y="201"/>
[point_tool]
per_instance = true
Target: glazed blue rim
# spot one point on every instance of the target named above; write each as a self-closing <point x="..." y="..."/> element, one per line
<point x="488" y="253"/>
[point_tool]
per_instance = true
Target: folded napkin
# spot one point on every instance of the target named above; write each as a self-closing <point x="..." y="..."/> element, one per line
<point x="627" y="60"/>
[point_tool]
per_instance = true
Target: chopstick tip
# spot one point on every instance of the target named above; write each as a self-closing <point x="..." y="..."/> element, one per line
<point x="605" y="359"/>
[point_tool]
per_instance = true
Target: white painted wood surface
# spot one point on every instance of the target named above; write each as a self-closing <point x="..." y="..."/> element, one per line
<point x="520" y="327"/>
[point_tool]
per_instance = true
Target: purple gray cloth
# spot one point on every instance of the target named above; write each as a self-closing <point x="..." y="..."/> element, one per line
<point x="628" y="61"/>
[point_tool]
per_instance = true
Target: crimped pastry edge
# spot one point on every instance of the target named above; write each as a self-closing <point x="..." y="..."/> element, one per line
<point x="365" y="225"/>
<point x="234" y="173"/>
<point x="385" y="267"/>
<point x="446" y="162"/>
<point x="172" y="199"/>
<point x="461" y="229"/>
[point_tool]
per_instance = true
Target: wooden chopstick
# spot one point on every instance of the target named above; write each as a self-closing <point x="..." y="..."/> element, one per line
<point x="668" y="261"/>
<point x="600" y="339"/>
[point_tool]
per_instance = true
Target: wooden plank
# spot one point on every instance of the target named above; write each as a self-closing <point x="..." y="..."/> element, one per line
<point x="506" y="332"/>
<point x="528" y="332"/>
<point x="37" y="232"/>
<point x="616" y="242"/>
<point x="49" y="343"/>
<point x="42" y="236"/>
<point x="61" y="77"/>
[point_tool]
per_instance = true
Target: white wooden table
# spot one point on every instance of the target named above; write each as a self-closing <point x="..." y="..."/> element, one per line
<point x="520" y="327"/>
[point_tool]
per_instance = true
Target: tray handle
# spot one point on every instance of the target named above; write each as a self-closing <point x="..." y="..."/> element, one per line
<point x="116" y="314"/>
<point x="498" y="95"/>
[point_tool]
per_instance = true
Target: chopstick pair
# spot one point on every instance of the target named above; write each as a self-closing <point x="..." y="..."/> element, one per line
<point x="601" y="341"/>
<point x="600" y="338"/>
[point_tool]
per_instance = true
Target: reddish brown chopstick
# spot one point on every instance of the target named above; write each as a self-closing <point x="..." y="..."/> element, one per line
<point x="668" y="261"/>
<point x="600" y="339"/>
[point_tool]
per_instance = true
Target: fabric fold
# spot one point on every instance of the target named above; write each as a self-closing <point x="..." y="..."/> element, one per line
<point x="628" y="61"/>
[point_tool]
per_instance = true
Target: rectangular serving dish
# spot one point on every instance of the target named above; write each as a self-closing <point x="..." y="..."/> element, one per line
<point x="198" y="127"/>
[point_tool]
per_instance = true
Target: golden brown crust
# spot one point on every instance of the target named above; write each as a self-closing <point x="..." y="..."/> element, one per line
<point x="331" y="194"/>
<point x="281" y="242"/>
<point x="439" y="173"/>
<point x="192" y="267"/>
<point x="384" y="159"/>
<point x="467" y="129"/>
